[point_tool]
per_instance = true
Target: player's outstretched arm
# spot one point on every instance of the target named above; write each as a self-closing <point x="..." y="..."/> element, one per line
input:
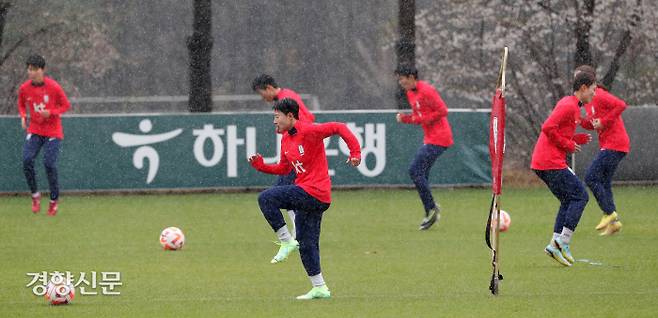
<point x="280" y="168"/>
<point x="335" y="128"/>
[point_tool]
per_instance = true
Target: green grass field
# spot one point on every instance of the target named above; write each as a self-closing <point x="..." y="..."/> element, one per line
<point x="374" y="259"/>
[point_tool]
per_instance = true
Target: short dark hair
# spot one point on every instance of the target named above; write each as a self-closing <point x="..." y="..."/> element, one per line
<point x="583" y="78"/>
<point x="406" y="70"/>
<point x="588" y="69"/>
<point x="36" y="61"/>
<point x="262" y="81"/>
<point x="287" y="106"/>
<point x="584" y="68"/>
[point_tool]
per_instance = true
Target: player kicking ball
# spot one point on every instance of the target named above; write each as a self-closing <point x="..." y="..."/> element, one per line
<point x="302" y="149"/>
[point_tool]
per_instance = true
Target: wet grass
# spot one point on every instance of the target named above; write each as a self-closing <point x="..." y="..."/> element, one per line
<point x="374" y="259"/>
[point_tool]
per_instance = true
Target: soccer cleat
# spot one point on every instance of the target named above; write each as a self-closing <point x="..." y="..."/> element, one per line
<point x="612" y="228"/>
<point x="36" y="203"/>
<point x="285" y="249"/>
<point x="321" y="292"/>
<point x="433" y="216"/>
<point x="565" y="250"/>
<point x="52" y="208"/>
<point x="606" y="220"/>
<point x="555" y="253"/>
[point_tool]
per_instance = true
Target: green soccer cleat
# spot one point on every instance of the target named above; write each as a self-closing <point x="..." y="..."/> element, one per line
<point x="606" y="220"/>
<point x="565" y="250"/>
<point x="321" y="292"/>
<point x="285" y="249"/>
<point x="433" y="216"/>
<point x="555" y="253"/>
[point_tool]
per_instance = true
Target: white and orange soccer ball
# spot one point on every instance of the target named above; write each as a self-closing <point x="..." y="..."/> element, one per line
<point x="505" y="221"/>
<point x="172" y="238"/>
<point x="59" y="293"/>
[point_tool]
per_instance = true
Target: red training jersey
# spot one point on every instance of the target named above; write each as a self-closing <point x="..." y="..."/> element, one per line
<point x="430" y="112"/>
<point x="556" y="137"/>
<point x="608" y="109"/>
<point x="302" y="149"/>
<point x="304" y="114"/>
<point x="36" y="98"/>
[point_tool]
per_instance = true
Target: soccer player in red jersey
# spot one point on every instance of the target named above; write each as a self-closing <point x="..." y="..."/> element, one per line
<point x="302" y="151"/>
<point x="604" y="116"/>
<point x="557" y="138"/>
<point x="267" y="88"/>
<point x="430" y="112"/>
<point x="45" y="101"/>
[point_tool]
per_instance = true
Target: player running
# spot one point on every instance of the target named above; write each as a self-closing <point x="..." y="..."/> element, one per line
<point x="430" y="112"/>
<point x="557" y="138"/>
<point x="302" y="150"/>
<point x="604" y="116"/>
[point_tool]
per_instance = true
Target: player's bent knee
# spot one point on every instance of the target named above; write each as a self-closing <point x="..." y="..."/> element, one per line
<point x="415" y="175"/>
<point x="51" y="166"/>
<point x="263" y="198"/>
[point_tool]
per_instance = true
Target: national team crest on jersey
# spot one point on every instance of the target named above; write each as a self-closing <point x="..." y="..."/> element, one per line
<point x="301" y="150"/>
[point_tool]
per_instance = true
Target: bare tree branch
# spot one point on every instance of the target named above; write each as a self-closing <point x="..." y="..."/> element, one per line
<point x="583" y="54"/>
<point x="551" y="11"/>
<point x="4" y="9"/>
<point x="627" y="37"/>
<point x="25" y="38"/>
<point x="543" y="5"/>
<point x="549" y="71"/>
<point x="526" y="113"/>
<point x="607" y="32"/>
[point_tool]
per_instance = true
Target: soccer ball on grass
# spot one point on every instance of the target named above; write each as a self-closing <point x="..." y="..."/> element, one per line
<point x="505" y="221"/>
<point x="172" y="238"/>
<point x="59" y="292"/>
